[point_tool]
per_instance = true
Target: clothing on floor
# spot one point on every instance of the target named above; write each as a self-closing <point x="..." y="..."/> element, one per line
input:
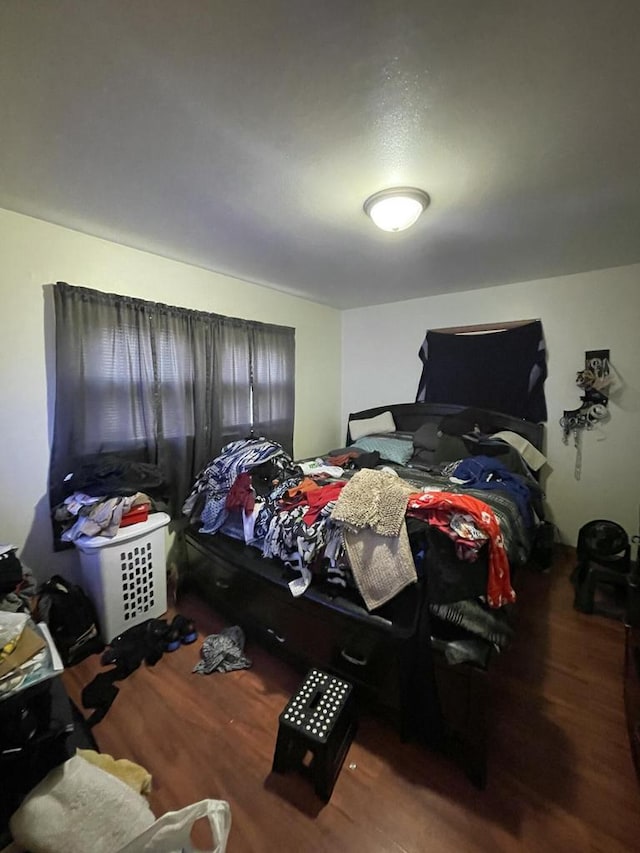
<point x="100" y="694"/>
<point x="223" y="652"/>
<point x="144" y="642"/>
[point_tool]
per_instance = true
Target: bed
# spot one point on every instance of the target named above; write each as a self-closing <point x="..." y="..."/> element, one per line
<point x="417" y="647"/>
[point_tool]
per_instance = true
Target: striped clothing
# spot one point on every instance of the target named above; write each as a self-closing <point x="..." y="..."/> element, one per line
<point x="216" y="479"/>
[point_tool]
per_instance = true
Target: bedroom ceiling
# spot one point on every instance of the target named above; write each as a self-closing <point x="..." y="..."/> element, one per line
<point x="244" y="137"/>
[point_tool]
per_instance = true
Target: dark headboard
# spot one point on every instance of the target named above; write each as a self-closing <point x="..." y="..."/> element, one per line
<point x="409" y="417"/>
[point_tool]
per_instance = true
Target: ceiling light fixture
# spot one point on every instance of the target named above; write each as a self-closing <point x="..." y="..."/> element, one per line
<point x="396" y="209"/>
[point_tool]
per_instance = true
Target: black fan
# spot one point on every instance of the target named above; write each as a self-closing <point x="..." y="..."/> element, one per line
<point x="604" y="558"/>
<point x="603" y="539"/>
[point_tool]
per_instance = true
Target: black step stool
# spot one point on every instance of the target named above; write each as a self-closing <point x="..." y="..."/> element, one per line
<point x="319" y="718"/>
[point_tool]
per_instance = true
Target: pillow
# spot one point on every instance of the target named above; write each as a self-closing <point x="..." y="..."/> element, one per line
<point x="380" y="423"/>
<point x="450" y="448"/>
<point x="427" y="437"/>
<point x="423" y="458"/>
<point x="391" y="449"/>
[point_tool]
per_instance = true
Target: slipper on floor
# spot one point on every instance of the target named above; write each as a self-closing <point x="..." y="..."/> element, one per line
<point x="181" y="630"/>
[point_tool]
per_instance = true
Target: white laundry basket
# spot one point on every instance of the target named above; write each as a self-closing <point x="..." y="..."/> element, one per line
<point x="125" y="576"/>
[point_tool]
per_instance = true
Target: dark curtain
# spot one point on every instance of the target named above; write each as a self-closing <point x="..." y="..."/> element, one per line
<point x="273" y="364"/>
<point x="503" y="371"/>
<point x="162" y="384"/>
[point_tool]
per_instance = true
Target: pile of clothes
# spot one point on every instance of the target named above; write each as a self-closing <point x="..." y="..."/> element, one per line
<point x="253" y="491"/>
<point x="90" y="515"/>
<point x="106" y="492"/>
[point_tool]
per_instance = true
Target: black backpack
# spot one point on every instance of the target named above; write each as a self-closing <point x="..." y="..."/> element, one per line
<point x="71" y="619"/>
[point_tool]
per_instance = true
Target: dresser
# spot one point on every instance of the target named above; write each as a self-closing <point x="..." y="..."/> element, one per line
<point x="632" y="665"/>
<point x="632" y="692"/>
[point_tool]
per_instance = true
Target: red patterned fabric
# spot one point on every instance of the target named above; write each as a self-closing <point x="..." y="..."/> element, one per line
<point x="320" y="498"/>
<point x="428" y="506"/>
<point x="313" y="495"/>
<point x="241" y="494"/>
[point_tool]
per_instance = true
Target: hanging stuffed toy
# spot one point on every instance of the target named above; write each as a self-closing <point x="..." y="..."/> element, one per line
<point x="594" y="381"/>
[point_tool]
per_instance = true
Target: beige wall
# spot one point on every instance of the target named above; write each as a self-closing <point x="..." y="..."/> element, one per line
<point x="35" y="253"/>
<point x="373" y="356"/>
<point x="587" y="311"/>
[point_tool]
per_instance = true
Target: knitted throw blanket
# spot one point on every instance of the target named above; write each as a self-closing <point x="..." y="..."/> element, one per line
<point x="371" y="507"/>
<point x="375" y="499"/>
<point x="382" y="565"/>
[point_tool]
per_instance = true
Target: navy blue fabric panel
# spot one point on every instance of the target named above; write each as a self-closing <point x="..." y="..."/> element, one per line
<point x="503" y="371"/>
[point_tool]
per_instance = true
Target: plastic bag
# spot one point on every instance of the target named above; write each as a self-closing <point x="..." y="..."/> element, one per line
<point x="171" y="833"/>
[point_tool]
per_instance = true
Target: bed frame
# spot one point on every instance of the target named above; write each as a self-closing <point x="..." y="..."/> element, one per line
<point x="390" y="656"/>
<point x="409" y="417"/>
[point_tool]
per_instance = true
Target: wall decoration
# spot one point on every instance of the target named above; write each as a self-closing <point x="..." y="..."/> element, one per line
<point x="594" y="380"/>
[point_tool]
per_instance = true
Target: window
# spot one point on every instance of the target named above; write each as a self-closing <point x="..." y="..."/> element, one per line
<point x="167" y="384"/>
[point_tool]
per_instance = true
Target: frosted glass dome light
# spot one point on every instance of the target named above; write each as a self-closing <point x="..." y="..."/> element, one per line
<point x="396" y="209"/>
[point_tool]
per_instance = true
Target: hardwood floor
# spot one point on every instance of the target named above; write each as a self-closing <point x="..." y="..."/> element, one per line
<point x="560" y="774"/>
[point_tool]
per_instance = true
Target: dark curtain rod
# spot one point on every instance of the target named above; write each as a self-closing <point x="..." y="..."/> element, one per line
<point x="483" y="327"/>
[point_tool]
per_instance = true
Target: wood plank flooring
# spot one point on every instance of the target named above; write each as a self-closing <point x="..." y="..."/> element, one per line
<point x="560" y="774"/>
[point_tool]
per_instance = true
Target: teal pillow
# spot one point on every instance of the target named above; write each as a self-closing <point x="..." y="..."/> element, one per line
<point x="398" y="450"/>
